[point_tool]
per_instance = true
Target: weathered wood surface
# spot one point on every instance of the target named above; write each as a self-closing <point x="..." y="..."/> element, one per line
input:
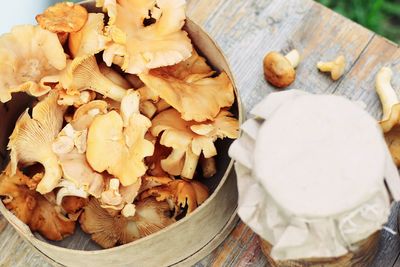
<point x="246" y="30"/>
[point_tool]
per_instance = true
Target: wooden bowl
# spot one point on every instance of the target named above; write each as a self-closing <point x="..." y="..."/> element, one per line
<point x="180" y="244"/>
<point x="362" y="256"/>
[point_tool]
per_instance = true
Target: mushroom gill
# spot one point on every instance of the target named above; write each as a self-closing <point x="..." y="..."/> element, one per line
<point x="32" y="139"/>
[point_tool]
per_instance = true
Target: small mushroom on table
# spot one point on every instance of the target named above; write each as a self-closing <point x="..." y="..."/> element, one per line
<point x="336" y="67"/>
<point x="279" y="70"/>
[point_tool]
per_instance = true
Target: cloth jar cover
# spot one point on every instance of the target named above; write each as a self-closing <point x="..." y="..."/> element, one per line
<point x="311" y="172"/>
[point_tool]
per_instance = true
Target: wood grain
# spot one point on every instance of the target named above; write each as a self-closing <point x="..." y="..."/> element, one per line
<point x="359" y="84"/>
<point x="246" y="31"/>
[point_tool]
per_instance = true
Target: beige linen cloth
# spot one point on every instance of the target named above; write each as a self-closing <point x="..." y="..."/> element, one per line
<point x="295" y="237"/>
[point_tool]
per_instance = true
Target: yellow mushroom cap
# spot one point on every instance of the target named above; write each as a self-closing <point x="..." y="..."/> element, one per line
<point x="188" y="139"/>
<point x="30" y="57"/>
<point x="32" y="139"/>
<point x="117" y="148"/>
<point x="89" y="40"/>
<point x="137" y="47"/>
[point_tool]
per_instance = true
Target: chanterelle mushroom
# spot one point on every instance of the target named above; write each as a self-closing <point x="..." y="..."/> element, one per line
<point x="109" y="6"/>
<point x="77" y="170"/>
<point x="114" y="76"/>
<point x="189" y="139"/>
<point x="85" y="114"/>
<point x="208" y="166"/>
<point x="154" y="161"/>
<point x="336" y="67"/>
<point x="120" y="198"/>
<point x="68" y="139"/>
<point x="117" y="149"/>
<point x="73" y="205"/>
<point x="149" y="182"/>
<point x="199" y="100"/>
<point x="108" y="231"/>
<point x="190" y="70"/>
<point x="68" y="188"/>
<point x="76" y="100"/>
<point x="279" y="70"/>
<point x="30" y="58"/>
<point x="177" y="86"/>
<point x="32" y="208"/>
<point x="83" y="73"/>
<point x="183" y="194"/>
<point x="143" y="46"/>
<point x="90" y="40"/>
<point x="389" y="99"/>
<point x="111" y="196"/>
<point x="391" y="112"/>
<point x="32" y="138"/>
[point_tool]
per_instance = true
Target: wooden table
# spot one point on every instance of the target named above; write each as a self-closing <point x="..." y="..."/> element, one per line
<point x="246" y="30"/>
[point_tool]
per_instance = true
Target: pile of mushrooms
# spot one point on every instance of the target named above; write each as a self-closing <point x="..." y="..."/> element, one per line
<point x="118" y="145"/>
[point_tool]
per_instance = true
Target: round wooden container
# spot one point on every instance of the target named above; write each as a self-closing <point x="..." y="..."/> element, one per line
<point x="362" y="256"/>
<point x="182" y="243"/>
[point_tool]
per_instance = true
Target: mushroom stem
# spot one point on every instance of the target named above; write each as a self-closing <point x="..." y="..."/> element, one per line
<point x="293" y="57"/>
<point x="189" y="167"/>
<point x="107" y="88"/>
<point x="112" y="196"/>
<point x="129" y="105"/>
<point x="129" y="210"/>
<point x="51" y="176"/>
<point x="68" y="188"/>
<point x="209" y="167"/>
<point x="336" y="67"/>
<point x="169" y="164"/>
<point x="83" y="73"/>
<point x="389" y="99"/>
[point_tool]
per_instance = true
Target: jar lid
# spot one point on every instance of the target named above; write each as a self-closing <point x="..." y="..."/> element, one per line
<point x="310" y="173"/>
<point x="320" y="155"/>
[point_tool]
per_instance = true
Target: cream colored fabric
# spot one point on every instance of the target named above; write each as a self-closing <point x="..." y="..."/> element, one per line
<point x="285" y="199"/>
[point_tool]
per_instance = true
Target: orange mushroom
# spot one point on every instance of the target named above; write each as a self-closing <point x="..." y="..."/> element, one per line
<point x="189" y="139"/>
<point x="185" y="195"/>
<point x="137" y="46"/>
<point x="108" y="231"/>
<point x="32" y="208"/>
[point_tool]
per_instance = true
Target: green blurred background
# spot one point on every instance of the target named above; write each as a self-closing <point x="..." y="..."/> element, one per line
<point x="380" y="16"/>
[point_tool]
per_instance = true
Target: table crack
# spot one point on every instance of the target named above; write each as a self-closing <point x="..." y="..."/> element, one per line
<point x="354" y="63"/>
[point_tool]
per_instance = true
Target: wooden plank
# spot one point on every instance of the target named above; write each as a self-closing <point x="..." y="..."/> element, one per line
<point x="389" y="243"/>
<point x="247" y="30"/>
<point x="15" y="252"/>
<point x="359" y="85"/>
<point x="241" y="248"/>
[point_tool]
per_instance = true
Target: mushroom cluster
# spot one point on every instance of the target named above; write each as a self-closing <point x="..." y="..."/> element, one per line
<point x="123" y="126"/>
